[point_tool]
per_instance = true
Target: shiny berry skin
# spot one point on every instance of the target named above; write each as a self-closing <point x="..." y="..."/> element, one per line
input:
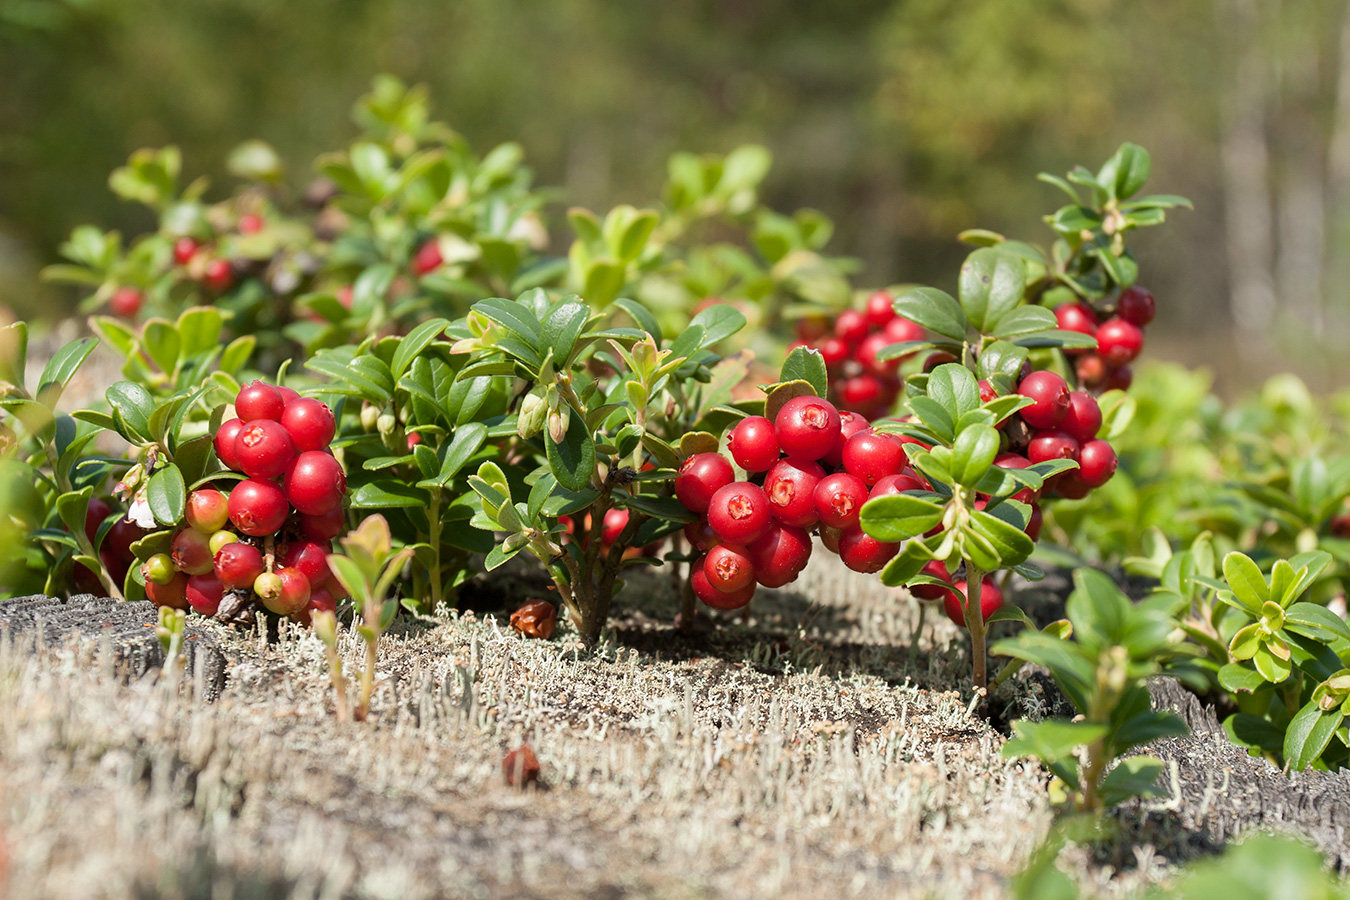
<point x="1119" y="341"/>
<point x="311" y="558"/>
<point x="871" y="345"/>
<point x="872" y="456"/>
<point x="1119" y="379"/>
<point x="1051" y="399"/>
<point x="1016" y="461"/>
<point x="901" y="331"/>
<point x="728" y="569"/>
<point x="991" y="598"/>
<point x="863" y="553"/>
<point x="850" y="423"/>
<point x="120" y="537"/>
<point x="701" y="476"/>
<point x="264" y="449"/>
<point x="158" y="568"/>
<point x="700" y="535"/>
<point x="710" y="595"/>
<point x="184" y="249"/>
<point x="880" y="309"/>
<point x="739" y="513"/>
<point x="287" y="394"/>
<point x="204" y="593"/>
<point x="830" y="537"/>
<point x="1136" y="306"/>
<point x="790" y="487"/>
<point x="238" y="564"/>
<point x="1096" y="463"/>
<point x="864" y="392"/>
<point x="753" y="445"/>
<point x="315" y="483"/>
<point x="1035" y="522"/>
<point x="937" y="569"/>
<point x="839" y="499"/>
<point x="1090" y="369"/>
<point x="172" y="595"/>
<point x="221" y="538"/>
<point x="1077" y="317"/>
<point x="224" y="444"/>
<point x="1051" y="444"/>
<point x="834" y="351"/>
<point x="323" y="527"/>
<point x="428" y="257"/>
<point x="259" y="400"/>
<point x="987" y="391"/>
<point x="807" y="427"/>
<point x="896" y="484"/>
<point x="851" y="326"/>
<point x="207" y="510"/>
<point x="310" y="423"/>
<point x="258" y="507"/>
<point x="320" y="600"/>
<point x="284" y="592"/>
<point x="191" y="551"/>
<point x="615" y="521"/>
<point x="780" y="555"/>
<point x="1072" y="487"/>
<point x="218" y="275"/>
<point x="126" y="302"/>
<point x="1084" y="419"/>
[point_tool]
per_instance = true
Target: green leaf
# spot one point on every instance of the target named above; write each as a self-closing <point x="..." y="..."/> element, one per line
<point x="973" y="453"/>
<point x="1246" y="641"/>
<point x="562" y="328"/>
<point x="605" y="278"/>
<point x="1308" y="734"/>
<point x="1135" y="776"/>
<point x="389" y="494"/>
<point x="468" y="439"/>
<point x="514" y="316"/>
<point x="1254" y="732"/>
<point x="166" y="494"/>
<point x="1126" y="171"/>
<point x="1052" y="739"/>
<point x="935" y="310"/>
<point x="1275" y="668"/>
<point x="411" y="345"/>
<point x="955" y="388"/>
<point x="991" y="285"/>
<point x="641" y="315"/>
<point x="132" y="405"/>
<point x="1316" y="622"/>
<point x="719" y="322"/>
<point x="1023" y="321"/>
<point x="898" y="517"/>
<point x="59" y="369"/>
<point x="1234" y="678"/>
<point x="573" y="460"/>
<point x="1246" y="581"/>
<point x="666" y="508"/>
<point x="350" y="576"/>
<point x="806" y="364"/>
<point x="1010" y="542"/>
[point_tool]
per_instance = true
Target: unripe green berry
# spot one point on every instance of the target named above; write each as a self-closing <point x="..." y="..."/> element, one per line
<point x="220" y="539"/>
<point x="267" y="586"/>
<point x="158" y="569"/>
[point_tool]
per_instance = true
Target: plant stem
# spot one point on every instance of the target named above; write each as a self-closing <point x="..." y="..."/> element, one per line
<point x="434" y="526"/>
<point x="975" y="623"/>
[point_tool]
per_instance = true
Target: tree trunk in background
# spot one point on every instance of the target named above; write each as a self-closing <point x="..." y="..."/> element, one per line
<point x="1246" y="173"/>
<point x="1302" y="200"/>
<point x="1337" y="274"/>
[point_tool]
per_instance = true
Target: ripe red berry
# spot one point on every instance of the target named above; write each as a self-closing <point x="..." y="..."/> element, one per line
<point x="250" y="223"/>
<point x="896" y="484"/>
<point x="807" y="427"/>
<point x="428" y="257"/>
<point x="753" y="445"/>
<point x="120" y="537"/>
<point x="700" y="535"/>
<point x="834" y="351"/>
<point x="311" y="558"/>
<point x="1051" y="399"/>
<point x="710" y="595"/>
<point x="126" y="302"/>
<point x="1096" y="463"/>
<point x="224" y="443"/>
<point x="991" y="598"/>
<point x="207" y="510"/>
<point x="1136" y="306"/>
<point x="851" y="326"/>
<point x="830" y="537"/>
<point x="310" y="423"/>
<point x="864" y="392"/>
<point x="1090" y="369"/>
<point x="218" y="275"/>
<point x="728" y="568"/>
<point x="987" y="391"/>
<point x="1016" y="461"/>
<point x="315" y="483"/>
<point x="839" y="499"/>
<point x="287" y="394"/>
<point x="320" y="600"/>
<point x="615" y="521"/>
<point x="935" y="568"/>
<point x="701" y="476"/>
<point x="1051" y="444"/>
<point x="94" y="515"/>
<point x="1119" y="379"/>
<point x="1084" y="419"/>
<point x="790" y="487"/>
<point x="1072" y="487"/>
<point x="901" y="330"/>
<point x="850" y="423"/>
<point x="1077" y="317"/>
<point x="204" y="593"/>
<point x="325" y="526"/>
<point x="172" y="595"/>
<point x="238" y="564"/>
<point x="739" y="513"/>
<point x="284" y="592"/>
<point x="259" y="400"/>
<point x="1119" y="341"/>
<point x="191" y="551"/>
<point x="1034" y="523"/>
<point x="780" y="555"/>
<point x="184" y="249"/>
<point x="871" y="345"/>
<point x="264" y="449"/>
<point x="872" y="456"/>
<point x="863" y="553"/>
<point x="257" y="507"/>
<point x="880" y="309"/>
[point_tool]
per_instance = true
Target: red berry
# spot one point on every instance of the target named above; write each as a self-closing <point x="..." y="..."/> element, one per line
<point x="850" y="423"/>
<point x="204" y="593"/>
<point x="1016" y="461"/>
<point x="1034" y="523"/>
<point x="807" y="427"/>
<point x="701" y="476"/>
<point x="839" y="499"/>
<point x="126" y="302"/>
<point x="1119" y="379"/>
<point x="191" y="551"/>
<point x="896" y="484"/>
<point x="120" y="537"/>
<point x="311" y="558"/>
<point x="173" y="595"/>
<point x="315" y="483"/>
<point x="872" y="456"/>
<point x="700" y="535"/>
<point x="1084" y="419"/>
<point x="830" y="537"/>
<point x="238" y="564"/>
<point x="991" y="598"/>
<point x="710" y="595"/>
<point x="218" y="275"/>
<point x="207" y="510"/>
<point x="184" y="249"/>
<point x="863" y="553"/>
<point x="325" y="526"/>
<point x="1072" y="487"/>
<point x="428" y="257"/>
<point x="871" y="345"/>
<point x="851" y="326"/>
<point x="1096" y="463"/>
<point x="250" y="223"/>
<point x="987" y="391"/>
<point x="264" y="449"/>
<point x="739" y="513"/>
<point x="940" y="358"/>
<point x="880" y="309"/>
<point x="780" y="555"/>
<point x="790" y="487"/>
<point x="1077" y="317"/>
<point x="1051" y="396"/>
<point x="94" y="516"/>
<point x="257" y="507"/>
<point x="728" y="568"/>
<point x="1136" y="306"/>
<point x="901" y="331"/>
<point x="320" y="600"/>
<point x="937" y="569"/>
<point x="1090" y="369"/>
<point x="224" y="443"/>
<point x="259" y="400"/>
<point x="615" y="521"/>
<point x="1119" y="341"/>
<point x="288" y="594"/>
<point x="863" y="392"/>
<point x="834" y="351"/>
<point x="753" y="445"/>
<point x="287" y="395"/>
<point x="1051" y="444"/>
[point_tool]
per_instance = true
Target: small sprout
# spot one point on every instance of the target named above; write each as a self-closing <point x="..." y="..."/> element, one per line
<point x="325" y="628"/>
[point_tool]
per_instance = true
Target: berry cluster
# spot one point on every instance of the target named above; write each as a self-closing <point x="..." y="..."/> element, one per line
<point x="810" y="470"/>
<point x="1059" y="424"/>
<point x="1119" y="338"/>
<point x="858" y="379"/>
<point x="115" y="552"/>
<point x="269" y="537"/>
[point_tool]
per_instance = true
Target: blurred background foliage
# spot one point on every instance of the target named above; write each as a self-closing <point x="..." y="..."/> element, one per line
<point x="903" y="120"/>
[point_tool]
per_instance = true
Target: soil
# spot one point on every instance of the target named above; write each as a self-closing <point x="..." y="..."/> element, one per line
<point x="811" y="749"/>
